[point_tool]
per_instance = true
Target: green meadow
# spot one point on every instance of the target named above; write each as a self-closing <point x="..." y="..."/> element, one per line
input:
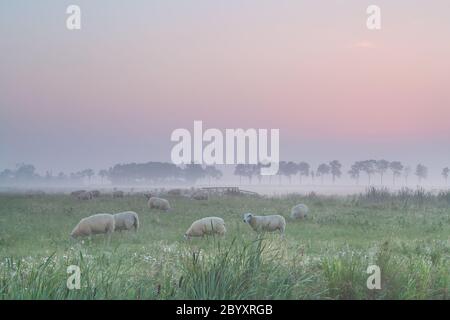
<point x="324" y="256"/>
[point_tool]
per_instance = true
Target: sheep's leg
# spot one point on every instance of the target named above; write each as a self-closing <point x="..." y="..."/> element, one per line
<point x="282" y="233"/>
<point x="108" y="238"/>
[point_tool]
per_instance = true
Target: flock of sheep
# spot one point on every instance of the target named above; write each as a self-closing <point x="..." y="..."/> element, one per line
<point x="105" y="223"/>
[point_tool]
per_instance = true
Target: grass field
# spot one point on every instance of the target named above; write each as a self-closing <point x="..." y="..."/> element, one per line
<point x="322" y="257"/>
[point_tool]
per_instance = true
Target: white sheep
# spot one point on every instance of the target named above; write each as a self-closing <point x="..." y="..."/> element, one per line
<point x="84" y="196"/>
<point x="199" y="195"/>
<point x="158" y="203"/>
<point x="126" y="221"/>
<point x="266" y="223"/>
<point x="206" y="226"/>
<point x="101" y="223"/>
<point x="299" y="211"/>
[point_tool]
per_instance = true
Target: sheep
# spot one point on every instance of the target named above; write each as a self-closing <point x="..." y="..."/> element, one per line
<point x="299" y="211"/>
<point x="159" y="203"/>
<point x="101" y="223"/>
<point x="206" y="226"/>
<point x="126" y="221"/>
<point x="199" y="195"/>
<point x="118" y="194"/>
<point x="84" y="196"/>
<point x="95" y="193"/>
<point x="266" y="223"/>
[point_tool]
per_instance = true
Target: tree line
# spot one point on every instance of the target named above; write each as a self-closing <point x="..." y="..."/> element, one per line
<point x="333" y="169"/>
<point x="163" y="172"/>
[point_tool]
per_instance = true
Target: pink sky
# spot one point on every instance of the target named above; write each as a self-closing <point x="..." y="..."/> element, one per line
<point x="116" y="89"/>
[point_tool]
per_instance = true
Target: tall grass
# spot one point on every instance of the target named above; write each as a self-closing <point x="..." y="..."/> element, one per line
<point x="240" y="271"/>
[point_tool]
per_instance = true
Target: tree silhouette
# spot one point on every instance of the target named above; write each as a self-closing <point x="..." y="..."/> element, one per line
<point x="287" y="169"/>
<point x="193" y="172"/>
<point x="303" y="170"/>
<point x="368" y="166"/>
<point x="406" y="172"/>
<point x="323" y="170"/>
<point x="246" y="170"/>
<point x="381" y="167"/>
<point x="445" y="173"/>
<point x="396" y="168"/>
<point x="62" y="176"/>
<point x="103" y="174"/>
<point x="335" y="169"/>
<point x="421" y="172"/>
<point x="212" y="172"/>
<point x="355" y="171"/>
<point x="88" y="173"/>
<point x="25" y="172"/>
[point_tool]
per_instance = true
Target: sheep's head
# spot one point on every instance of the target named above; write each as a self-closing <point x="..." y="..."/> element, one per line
<point x="186" y="236"/>
<point x="248" y="217"/>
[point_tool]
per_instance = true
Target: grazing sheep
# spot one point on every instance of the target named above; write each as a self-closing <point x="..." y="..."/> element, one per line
<point x="126" y="221"/>
<point x="199" y="195"/>
<point x="206" y="226"/>
<point x="266" y="223"/>
<point x="158" y="203"/>
<point x="78" y="192"/>
<point x="101" y="223"/>
<point x="118" y="194"/>
<point x="299" y="211"/>
<point x="95" y="193"/>
<point x="84" y="196"/>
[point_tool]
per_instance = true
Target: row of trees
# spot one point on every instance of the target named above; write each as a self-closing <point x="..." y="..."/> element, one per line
<point x="160" y="172"/>
<point x="132" y="173"/>
<point x="333" y="169"/>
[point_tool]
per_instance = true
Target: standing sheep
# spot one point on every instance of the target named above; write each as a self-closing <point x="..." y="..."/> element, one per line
<point x="299" y="211"/>
<point x="266" y="223"/>
<point x="199" y="195"/>
<point x="206" y="226"/>
<point x="101" y="223"/>
<point x="158" y="203"/>
<point x="126" y="221"/>
<point x="95" y="193"/>
<point x="84" y="196"/>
